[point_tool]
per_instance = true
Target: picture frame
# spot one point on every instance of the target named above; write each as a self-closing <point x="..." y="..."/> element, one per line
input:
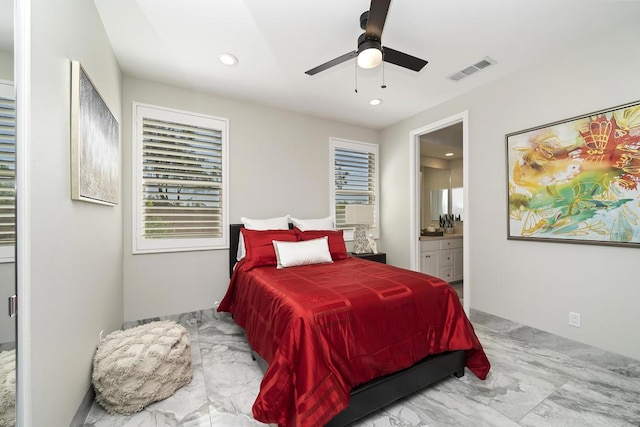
<point x="95" y="143"/>
<point x="577" y="180"/>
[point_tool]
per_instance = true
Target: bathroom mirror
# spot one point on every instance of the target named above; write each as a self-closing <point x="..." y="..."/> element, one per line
<point x="7" y="215"/>
<point x="457" y="201"/>
<point x="438" y="203"/>
<point x="443" y="202"/>
<point x="442" y="193"/>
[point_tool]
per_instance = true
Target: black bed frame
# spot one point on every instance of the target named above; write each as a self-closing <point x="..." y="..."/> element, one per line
<point x="380" y="392"/>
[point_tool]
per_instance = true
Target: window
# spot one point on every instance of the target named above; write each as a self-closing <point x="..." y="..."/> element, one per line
<point x="354" y="180"/>
<point x="180" y="162"/>
<point x="7" y="173"/>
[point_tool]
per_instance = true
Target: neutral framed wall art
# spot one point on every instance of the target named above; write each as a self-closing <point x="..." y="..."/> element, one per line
<point x="95" y="143"/>
<point x="577" y="180"/>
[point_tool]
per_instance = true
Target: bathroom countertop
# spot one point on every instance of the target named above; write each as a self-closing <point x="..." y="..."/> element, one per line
<point x="444" y="236"/>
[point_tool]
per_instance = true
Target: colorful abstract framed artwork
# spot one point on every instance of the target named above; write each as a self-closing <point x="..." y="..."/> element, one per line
<point x="95" y="143"/>
<point x="577" y="180"/>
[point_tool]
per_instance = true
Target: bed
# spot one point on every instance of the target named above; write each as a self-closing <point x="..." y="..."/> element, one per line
<point x="338" y="341"/>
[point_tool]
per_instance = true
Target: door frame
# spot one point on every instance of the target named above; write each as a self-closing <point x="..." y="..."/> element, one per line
<point x="414" y="195"/>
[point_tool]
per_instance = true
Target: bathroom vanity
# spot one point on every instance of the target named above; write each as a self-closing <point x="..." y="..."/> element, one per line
<point x="441" y="257"/>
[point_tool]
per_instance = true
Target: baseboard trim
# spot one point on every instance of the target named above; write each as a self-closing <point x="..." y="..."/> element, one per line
<point x="83" y="409"/>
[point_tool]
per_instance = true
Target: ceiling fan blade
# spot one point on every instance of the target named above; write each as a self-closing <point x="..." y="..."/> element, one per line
<point x="377" y="16"/>
<point x="332" y="63"/>
<point x="402" y="59"/>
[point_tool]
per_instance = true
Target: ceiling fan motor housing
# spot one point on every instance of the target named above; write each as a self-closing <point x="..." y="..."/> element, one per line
<point x="365" y="42"/>
<point x="364" y="18"/>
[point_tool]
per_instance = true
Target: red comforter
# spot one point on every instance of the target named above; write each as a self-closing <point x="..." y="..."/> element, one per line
<point x="327" y="328"/>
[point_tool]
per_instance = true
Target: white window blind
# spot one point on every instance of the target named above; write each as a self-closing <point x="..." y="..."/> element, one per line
<point x="354" y="176"/>
<point x="182" y="169"/>
<point x="7" y="174"/>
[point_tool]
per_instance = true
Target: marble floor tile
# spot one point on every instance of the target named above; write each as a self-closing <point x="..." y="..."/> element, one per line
<point x="492" y="322"/>
<point x="586" y="404"/>
<point x="228" y="419"/>
<point x="537" y="379"/>
<point x="98" y="417"/>
<point x="438" y="405"/>
<point x="229" y="376"/>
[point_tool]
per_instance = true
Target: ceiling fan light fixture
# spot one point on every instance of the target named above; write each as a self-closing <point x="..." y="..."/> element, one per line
<point x="369" y="52"/>
<point x="369" y="58"/>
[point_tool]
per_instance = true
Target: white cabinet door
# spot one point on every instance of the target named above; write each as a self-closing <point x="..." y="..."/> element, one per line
<point x="442" y="258"/>
<point x="450" y="243"/>
<point x="446" y="273"/>
<point x="446" y="257"/>
<point x="446" y="264"/>
<point x="458" y="269"/>
<point x="430" y="262"/>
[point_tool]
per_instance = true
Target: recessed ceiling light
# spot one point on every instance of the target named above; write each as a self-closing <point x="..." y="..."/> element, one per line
<point x="448" y="154"/>
<point x="228" y="59"/>
<point x="375" y="101"/>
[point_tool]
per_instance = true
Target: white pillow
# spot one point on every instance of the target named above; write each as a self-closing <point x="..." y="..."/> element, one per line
<point x="290" y="254"/>
<point x="314" y="224"/>
<point x="278" y="223"/>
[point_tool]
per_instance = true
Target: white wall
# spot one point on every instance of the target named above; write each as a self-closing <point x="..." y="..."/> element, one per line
<point x="533" y="283"/>
<point x="75" y="247"/>
<point x="278" y="164"/>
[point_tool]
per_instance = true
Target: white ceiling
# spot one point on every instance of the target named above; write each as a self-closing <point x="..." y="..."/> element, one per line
<point x="178" y="42"/>
<point x="441" y="142"/>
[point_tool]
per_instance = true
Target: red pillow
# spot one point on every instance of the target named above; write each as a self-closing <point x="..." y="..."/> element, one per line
<point x="336" y="241"/>
<point x="259" y="245"/>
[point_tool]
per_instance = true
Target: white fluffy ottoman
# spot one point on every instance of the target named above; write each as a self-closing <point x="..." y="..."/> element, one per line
<point x="138" y="366"/>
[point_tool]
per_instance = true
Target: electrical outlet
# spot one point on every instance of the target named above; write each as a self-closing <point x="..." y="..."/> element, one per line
<point x="574" y="319"/>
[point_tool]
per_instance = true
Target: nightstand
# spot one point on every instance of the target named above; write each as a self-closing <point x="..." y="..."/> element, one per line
<point x="379" y="257"/>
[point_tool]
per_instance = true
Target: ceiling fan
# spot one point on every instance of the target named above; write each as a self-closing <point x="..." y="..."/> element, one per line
<point x="370" y="51"/>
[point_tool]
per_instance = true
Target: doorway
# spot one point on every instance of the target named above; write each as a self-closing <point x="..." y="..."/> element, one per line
<point x="415" y="194"/>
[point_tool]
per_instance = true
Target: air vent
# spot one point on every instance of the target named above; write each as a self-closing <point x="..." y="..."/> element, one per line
<point x="472" y="69"/>
<point x="469" y="70"/>
<point x="483" y="64"/>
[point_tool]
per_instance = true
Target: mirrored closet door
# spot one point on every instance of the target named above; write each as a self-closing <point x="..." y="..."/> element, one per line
<point x="7" y="215"/>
